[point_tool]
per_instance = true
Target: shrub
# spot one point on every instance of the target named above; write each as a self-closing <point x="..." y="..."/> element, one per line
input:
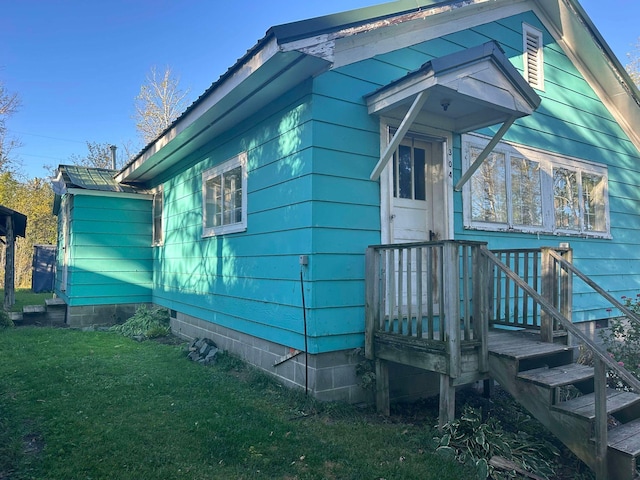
<point x="5" y="319"/>
<point x="622" y="338"/>
<point x="474" y="442"/>
<point x="147" y="323"/>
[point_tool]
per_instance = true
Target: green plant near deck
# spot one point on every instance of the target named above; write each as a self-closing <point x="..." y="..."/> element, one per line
<point x="148" y="323"/>
<point x="475" y="442"/>
<point x="622" y="339"/>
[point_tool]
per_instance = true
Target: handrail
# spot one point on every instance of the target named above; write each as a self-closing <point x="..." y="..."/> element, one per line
<point x="569" y="266"/>
<point x="631" y="381"/>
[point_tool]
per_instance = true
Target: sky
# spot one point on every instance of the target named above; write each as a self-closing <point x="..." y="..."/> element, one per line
<point x="78" y="65"/>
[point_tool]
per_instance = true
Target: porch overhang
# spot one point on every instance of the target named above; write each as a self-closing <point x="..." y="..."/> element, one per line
<point x="460" y="92"/>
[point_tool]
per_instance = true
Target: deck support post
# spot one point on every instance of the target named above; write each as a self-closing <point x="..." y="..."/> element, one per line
<point x="450" y="308"/>
<point x="549" y="291"/>
<point x="481" y="306"/>
<point x="383" y="402"/>
<point x="566" y="289"/>
<point x="447" y="406"/>
<point x="601" y="419"/>
<point x="372" y="299"/>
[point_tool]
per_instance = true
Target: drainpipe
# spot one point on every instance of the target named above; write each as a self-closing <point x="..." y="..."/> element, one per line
<point x="113" y="156"/>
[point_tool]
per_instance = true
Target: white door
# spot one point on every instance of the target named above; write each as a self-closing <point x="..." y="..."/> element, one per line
<point x="418" y="196"/>
<point x="418" y="214"/>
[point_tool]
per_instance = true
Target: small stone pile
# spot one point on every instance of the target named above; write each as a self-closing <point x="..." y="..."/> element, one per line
<point x="203" y="351"/>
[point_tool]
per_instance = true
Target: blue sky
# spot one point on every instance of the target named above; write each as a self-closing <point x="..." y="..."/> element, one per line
<point x="78" y="64"/>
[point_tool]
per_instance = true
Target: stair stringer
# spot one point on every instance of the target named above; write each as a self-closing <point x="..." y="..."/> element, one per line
<point x="574" y="432"/>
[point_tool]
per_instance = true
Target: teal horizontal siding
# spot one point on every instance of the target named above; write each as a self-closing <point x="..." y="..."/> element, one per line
<point x="110" y="251"/>
<point x="310" y="155"/>
<point x="572" y="121"/>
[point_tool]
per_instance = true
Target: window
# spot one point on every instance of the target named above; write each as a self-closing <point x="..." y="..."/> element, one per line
<point x="224" y="196"/>
<point x="522" y="189"/>
<point x="533" y="56"/>
<point x="158" y="205"/>
<point x="408" y="171"/>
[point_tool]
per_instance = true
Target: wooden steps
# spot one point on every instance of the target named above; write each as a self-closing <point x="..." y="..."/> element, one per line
<point x="539" y="375"/>
<point x="561" y="376"/>
<point x="584" y="406"/>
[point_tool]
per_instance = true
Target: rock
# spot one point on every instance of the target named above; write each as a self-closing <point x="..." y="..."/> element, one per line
<point x="211" y="356"/>
<point x="203" y="351"/>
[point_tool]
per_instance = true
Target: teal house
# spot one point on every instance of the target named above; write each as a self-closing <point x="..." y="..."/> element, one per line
<point x="504" y="122"/>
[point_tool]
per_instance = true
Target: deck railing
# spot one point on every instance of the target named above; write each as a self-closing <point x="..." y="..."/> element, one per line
<point x="426" y="291"/>
<point x="510" y="306"/>
<point x="446" y="295"/>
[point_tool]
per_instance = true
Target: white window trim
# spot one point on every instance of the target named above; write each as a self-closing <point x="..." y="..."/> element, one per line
<point x="547" y="162"/>
<point x="529" y="33"/>
<point x="155" y="239"/>
<point x="238" y="160"/>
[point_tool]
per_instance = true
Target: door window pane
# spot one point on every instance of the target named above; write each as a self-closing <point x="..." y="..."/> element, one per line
<point x="404" y="172"/>
<point x="419" y="159"/>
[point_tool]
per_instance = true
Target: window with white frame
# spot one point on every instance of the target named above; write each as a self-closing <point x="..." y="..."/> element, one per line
<point x="224" y="197"/>
<point x="522" y="189"/>
<point x="157" y="208"/>
<point x="532" y="53"/>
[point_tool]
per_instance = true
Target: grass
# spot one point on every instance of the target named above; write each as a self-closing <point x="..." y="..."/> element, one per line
<point x="95" y="405"/>
<point x="24" y="296"/>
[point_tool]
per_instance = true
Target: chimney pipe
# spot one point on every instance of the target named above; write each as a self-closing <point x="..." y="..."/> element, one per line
<point x="113" y="156"/>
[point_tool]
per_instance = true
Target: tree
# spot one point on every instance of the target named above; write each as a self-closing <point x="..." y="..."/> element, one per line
<point x="35" y="200"/>
<point x="633" y="67"/>
<point x="99" y="156"/>
<point x="159" y="103"/>
<point x="9" y="104"/>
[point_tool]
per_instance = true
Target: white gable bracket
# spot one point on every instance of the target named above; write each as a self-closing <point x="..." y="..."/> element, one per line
<point x="484" y="154"/>
<point x="411" y="115"/>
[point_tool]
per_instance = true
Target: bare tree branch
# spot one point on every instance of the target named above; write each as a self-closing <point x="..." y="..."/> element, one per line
<point x="159" y="103"/>
<point x="9" y="104"/>
<point x="633" y="67"/>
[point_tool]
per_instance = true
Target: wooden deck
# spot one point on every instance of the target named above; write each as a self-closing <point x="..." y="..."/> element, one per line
<point x="468" y="314"/>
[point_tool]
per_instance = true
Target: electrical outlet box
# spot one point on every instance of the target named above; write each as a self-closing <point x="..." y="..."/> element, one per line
<point x="304" y="260"/>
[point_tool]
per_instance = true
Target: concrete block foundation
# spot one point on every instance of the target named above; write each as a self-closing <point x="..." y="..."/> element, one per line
<point x="327" y="376"/>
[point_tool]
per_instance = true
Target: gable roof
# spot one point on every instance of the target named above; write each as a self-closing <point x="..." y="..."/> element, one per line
<point x="298" y="50"/>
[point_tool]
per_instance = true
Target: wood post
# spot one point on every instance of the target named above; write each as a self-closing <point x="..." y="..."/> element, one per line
<point x="447" y="407"/>
<point x="383" y="401"/>
<point x="549" y="290"/>
<point x="372" y="299"/>
<point x="566" y="289"/>
<point x="601" y="419"/>
<point x="480" y="306"/>
<point x="450" y="307"/>
<point x="9" y="267"/>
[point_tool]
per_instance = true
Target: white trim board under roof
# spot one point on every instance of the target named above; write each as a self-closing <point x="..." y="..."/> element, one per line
<point x="460" y="92"/>
<point x="301" y="49"/>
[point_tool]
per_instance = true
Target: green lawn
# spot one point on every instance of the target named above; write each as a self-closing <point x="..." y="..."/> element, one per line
<point x="95" y="405"/>
<point x="24" y="296"/>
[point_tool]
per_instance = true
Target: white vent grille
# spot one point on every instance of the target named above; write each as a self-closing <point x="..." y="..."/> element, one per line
<point x="533" y="61"/>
